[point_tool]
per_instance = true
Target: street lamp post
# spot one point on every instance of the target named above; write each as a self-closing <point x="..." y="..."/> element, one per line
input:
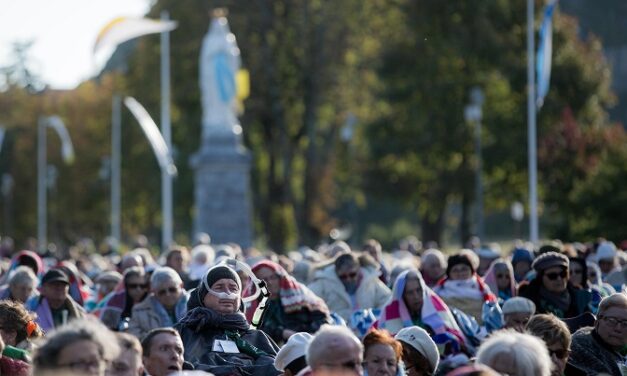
<point x="67" y="151"/>
<point x="473" y="114"/>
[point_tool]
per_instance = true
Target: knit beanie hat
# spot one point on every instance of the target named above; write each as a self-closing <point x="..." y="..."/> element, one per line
<point x="549" y="260"/>
<point x="219" y="272"/>
<point x="456" y="260"/>
<point x="522" y="254"/>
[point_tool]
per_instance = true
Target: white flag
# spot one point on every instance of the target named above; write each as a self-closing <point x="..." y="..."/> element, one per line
<point x="164" y="157"/>
<point x="67" y="150"/>
<point x="123" y="29"/>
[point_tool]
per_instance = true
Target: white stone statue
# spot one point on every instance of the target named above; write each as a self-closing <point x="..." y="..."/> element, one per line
<point x="219" y="63"/>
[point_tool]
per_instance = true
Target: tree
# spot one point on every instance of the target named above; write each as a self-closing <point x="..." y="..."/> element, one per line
<point x="422" y="151"/>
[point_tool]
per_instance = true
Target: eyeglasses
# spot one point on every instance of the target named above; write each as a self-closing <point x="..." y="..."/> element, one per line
<point x="171" y="290"/>
<point x="559" y="354"/>
<point x="132" y="286"/>
<point x="502" y="276"/>
<point x="613" y="321"/>
<point x="553" y="276"/>
<point x="351" y="275"/>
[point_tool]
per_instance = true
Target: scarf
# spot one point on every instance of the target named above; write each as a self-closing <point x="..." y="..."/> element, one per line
<point x="472" y="288"/>
<point x="490" y="278"/>
<point x="434" y="313"/>
<point x="294" y="296"/>
<point x="556" y="303"/>
<point x="201" y="318"/>
<point x="164" y="317"/>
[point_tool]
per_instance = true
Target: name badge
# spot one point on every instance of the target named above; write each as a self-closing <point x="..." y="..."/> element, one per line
<point x="225" y="346"/>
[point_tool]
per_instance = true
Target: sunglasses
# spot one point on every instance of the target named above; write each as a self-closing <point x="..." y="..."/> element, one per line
<point x="351" y="275"/>
<point x="553" y="276"/>
<point x="502" y="276"/>
<point x="171" y="290"/>
<point x="559" y="354"/>
<point x="132" y="286"/>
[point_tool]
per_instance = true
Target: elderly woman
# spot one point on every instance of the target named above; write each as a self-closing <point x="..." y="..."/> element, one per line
<point x="22" y="285"/>
<point x="556" y="336"/>
<point x="17" y="327"/>
<point x="382" y="354"/>
<point x="598" y="349"/>
<point x="117" y="307"/>
<point x="164" y="307"/>
<point x="413" y="303"/>
<point x="551" y="291"/>
<point x="433" y="266"/>
<point x="420" y="353"/>
<point x="516" y="354"/>
<point x="216" y="336"/>
<point x="82" y="348"/>
<point x="463" y="289"/>
<point x="500" y="278"/>
<point x="292" y="306"/>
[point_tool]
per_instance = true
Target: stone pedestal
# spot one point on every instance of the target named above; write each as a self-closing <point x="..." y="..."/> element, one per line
<point x="222" y="190"/>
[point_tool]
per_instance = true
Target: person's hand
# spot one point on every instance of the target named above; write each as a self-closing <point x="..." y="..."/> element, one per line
<point x="288" y="333"/>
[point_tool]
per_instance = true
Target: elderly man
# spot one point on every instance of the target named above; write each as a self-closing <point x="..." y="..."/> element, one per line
<point x="516" y="313"/>
<point x="598" y="349"/>
<point x="163" y="352"/>
<point x="164" y="307"/>
<point x="54" y="307"/>
<point x="347" y="287"/>
<point x="335" y="350"/>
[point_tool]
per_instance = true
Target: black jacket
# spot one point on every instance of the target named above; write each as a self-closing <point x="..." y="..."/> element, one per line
<point x="202" y="326"/>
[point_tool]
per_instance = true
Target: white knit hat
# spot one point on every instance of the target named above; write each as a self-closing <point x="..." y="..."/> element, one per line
<point x="420" y="340"/>
<point x="294" y="348"/>
<point x="518" y="304"/>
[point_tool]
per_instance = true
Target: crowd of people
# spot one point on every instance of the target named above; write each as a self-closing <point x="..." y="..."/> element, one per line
<point x="557" y="309"/>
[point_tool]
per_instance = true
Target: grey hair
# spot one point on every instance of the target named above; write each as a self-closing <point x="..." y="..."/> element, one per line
<point x="87" y="329"/>
<point x="22" y="275"/>
<point x="527" y="353"/>
<point x="328" y="340"/>
<point x="618" y="299"/>
<point x="164" y="275"/>
<point x="434" y="254"/>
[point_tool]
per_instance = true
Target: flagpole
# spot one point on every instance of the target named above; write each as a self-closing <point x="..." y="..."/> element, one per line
<point x="531" y="124"/>
<point x="115" y="170"/>
<point x="42" y="241"/>
<point x="166" y="179"/>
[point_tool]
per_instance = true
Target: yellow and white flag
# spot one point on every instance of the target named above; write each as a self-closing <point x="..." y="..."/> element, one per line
<point x="123" y="29"/>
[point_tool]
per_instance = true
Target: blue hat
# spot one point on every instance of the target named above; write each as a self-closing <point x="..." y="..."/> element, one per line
<point x="522" y="254"/>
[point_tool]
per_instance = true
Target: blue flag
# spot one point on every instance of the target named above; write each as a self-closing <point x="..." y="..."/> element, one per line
<point x="545" y="50"/>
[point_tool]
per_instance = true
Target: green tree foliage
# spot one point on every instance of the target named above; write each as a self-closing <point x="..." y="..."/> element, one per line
<point x="421" y="149"/>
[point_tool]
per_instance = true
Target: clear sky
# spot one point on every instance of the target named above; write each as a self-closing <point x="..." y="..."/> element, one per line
<point x="63" y="31"/>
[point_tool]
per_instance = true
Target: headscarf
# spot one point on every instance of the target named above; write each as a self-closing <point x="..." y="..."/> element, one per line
<point x="491" y="280"/>
<point x="434" y="313"/>
<point x="18" y="260"/>
<point x="294" y="296"/>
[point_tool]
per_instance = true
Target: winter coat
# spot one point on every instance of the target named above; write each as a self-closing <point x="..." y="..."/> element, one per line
<point x="579" y="299"/>
<point x="40" y="306"/>
<point x="371" y="293"/>
<point x="275" y="320"/>
<point x="150" y="314"/>
<point x="592" y="355"/>
<point x="201" y="327"/>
